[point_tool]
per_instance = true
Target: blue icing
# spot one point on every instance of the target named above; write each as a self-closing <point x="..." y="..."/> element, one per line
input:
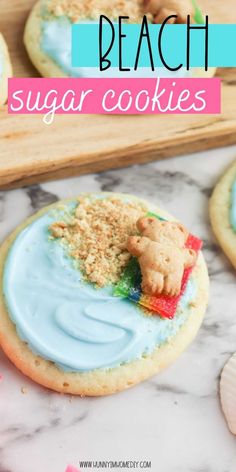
<point x="233" y="207"/>
<point x="56" y="43"/>
<point x="68" y="321"/>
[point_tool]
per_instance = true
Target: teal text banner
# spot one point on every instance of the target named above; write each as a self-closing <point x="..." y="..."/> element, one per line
<point x="221" y="45"/>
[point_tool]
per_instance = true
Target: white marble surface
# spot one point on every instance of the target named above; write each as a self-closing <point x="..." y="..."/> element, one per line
<point x="174" y="419"/>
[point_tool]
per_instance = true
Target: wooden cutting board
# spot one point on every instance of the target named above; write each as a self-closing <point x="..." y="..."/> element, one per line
<point x="31" y="151"/>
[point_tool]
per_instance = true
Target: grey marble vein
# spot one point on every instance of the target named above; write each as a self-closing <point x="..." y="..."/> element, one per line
<point x="163" y="184"/>
<point x="39" y="197"/>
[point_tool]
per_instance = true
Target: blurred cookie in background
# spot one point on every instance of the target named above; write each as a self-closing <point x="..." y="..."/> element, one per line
<point x="223" y="212"/>
<point x="5" y="70"/>
<point x="47" y="35"/>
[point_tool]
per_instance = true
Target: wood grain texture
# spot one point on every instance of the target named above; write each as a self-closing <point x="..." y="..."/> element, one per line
<point x="31" y="151"/>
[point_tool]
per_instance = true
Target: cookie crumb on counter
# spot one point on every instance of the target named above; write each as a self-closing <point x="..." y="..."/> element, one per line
<point x="97" y="235"/>
<point x="78" y="10"/>
<point x="24" y="390"/>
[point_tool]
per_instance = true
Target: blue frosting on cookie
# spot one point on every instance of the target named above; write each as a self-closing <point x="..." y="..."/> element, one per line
<point x="56" y="44"/>
<point x="68" y="321"/>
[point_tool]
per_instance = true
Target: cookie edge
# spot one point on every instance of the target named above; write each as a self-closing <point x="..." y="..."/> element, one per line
<point x="219" y="213"/>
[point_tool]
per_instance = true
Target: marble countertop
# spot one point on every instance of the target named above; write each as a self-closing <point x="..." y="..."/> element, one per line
<point x="174" y="419"/>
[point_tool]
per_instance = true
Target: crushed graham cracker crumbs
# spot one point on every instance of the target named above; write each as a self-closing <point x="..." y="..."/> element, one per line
<point x="96" y="236"/>
<point x="80" y="10"/>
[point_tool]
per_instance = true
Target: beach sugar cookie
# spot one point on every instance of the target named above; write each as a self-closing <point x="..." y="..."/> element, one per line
<point x="75" y="315"/>
<point x="48" y="33"/>
<point x="5" y="70"/>
<point x="223" y="212"/>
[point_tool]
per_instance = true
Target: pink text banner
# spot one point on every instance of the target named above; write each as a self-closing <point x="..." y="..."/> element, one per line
<point x="114" y="96"/>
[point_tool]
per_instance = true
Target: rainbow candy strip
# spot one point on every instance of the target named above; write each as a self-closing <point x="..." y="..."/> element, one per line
<point x="129" y="285"/>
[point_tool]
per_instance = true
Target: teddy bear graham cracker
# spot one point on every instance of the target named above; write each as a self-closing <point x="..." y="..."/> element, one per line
<point x="162" y="255"/>
<point x="165" y="255"/>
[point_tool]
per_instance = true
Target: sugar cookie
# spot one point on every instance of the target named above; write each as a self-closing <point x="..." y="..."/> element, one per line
<point x="5" y="70"/>
<point x="60" y="321"/>
<point x="223" y="212"/>
<point x="48" y="37"/>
